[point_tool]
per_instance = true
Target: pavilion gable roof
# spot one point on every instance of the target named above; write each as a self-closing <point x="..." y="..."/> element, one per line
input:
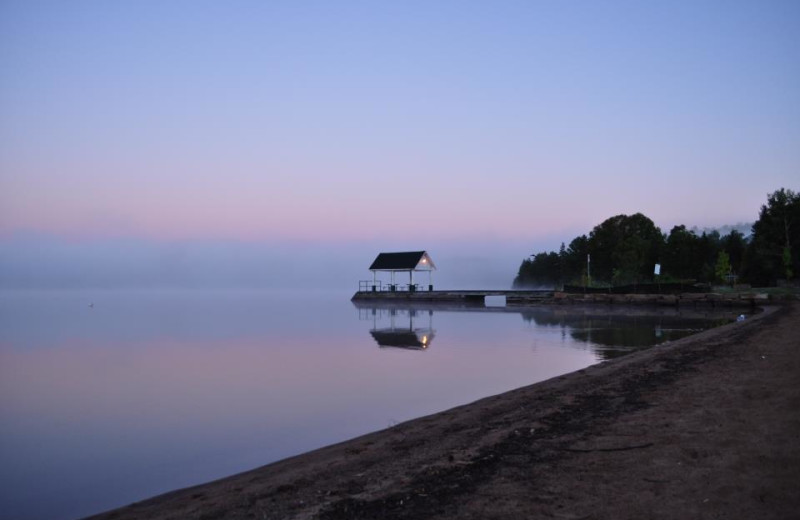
<point x="403" y="261"/>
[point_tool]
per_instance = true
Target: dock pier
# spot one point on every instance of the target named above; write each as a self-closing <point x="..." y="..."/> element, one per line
<point x="477" y="298"/>
<point x="376" y="291"/>
<point x="470" y="297"/>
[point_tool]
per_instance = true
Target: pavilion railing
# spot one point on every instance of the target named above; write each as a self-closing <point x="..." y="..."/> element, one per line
<point x="370" y="286"/>
<point x="378" y="286"/>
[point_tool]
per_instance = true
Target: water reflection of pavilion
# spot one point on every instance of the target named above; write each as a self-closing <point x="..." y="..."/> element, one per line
<point x="403" y="330"/>
<point x="609" y="331"/>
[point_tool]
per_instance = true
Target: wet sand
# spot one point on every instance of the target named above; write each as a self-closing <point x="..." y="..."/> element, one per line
<point x="704" y="427"/>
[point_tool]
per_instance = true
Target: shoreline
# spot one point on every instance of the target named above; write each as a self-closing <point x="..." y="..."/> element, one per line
<point x="524" y="298"/>
<point x="631" y="426"/>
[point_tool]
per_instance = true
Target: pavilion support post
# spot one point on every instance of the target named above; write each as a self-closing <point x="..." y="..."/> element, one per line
<point x="430" y="280"/>
<point x="374" y="280"/>
<point x="411" y="280"/>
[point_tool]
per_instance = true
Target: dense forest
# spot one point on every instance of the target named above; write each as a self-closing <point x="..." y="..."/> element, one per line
<point x="625" y="249"/>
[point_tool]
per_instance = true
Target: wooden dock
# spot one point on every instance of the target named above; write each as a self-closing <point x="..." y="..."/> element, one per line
<point x="471" y="297"/>
<point x="518" y="298"/>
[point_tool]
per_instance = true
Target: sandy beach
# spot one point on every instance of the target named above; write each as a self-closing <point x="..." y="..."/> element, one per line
<point x="704" y="427"/>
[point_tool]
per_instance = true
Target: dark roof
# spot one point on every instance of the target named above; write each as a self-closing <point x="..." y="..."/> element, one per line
<point x="391" y="261"/>
<point x="401" y="339"/>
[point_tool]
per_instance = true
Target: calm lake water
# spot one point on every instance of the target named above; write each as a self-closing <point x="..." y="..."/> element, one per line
<point x="149" y="391"/>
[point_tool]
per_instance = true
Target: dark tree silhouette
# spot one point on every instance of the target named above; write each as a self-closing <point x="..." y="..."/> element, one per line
<point x="624" y="249"/>
<point x="774" y="251"/>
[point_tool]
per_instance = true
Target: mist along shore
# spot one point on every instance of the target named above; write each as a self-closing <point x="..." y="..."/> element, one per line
<point x="704" y="427"/>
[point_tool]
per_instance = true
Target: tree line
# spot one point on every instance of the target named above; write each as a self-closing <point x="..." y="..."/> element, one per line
<point x="625" y="249"/>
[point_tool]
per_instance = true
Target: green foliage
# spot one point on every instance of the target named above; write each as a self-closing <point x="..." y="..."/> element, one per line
<point x="680" y="253"/>
<point x="691" y="257"/>
<point x="723" y="267"/>
<point x="624" y="249"/>
<point x="774" y="251"/>
<point x="735" y="245"/>
<point x="543" y="270"/>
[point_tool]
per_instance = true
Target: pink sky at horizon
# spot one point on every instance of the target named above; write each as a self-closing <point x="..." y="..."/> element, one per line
<point x="314" y="208"/>
<point x="356" y="123"/>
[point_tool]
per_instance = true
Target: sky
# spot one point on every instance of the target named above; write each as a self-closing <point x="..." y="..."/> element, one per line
<point x="281" y="134"/>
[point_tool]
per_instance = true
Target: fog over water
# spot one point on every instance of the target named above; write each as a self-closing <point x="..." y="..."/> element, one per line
<point x="30" y="261"/>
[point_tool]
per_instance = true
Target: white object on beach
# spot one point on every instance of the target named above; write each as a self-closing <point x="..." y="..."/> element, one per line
<point x="740" y="318"/>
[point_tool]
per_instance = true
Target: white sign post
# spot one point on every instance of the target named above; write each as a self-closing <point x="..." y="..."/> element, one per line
<point x="657" y="273"/>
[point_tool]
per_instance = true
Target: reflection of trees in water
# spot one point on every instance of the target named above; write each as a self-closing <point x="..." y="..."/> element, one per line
<point x="619" y="334"/>
<point x="609" y="331"/>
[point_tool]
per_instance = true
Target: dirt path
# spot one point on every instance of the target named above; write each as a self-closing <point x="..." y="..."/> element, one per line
<point x="705" y="427"/>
